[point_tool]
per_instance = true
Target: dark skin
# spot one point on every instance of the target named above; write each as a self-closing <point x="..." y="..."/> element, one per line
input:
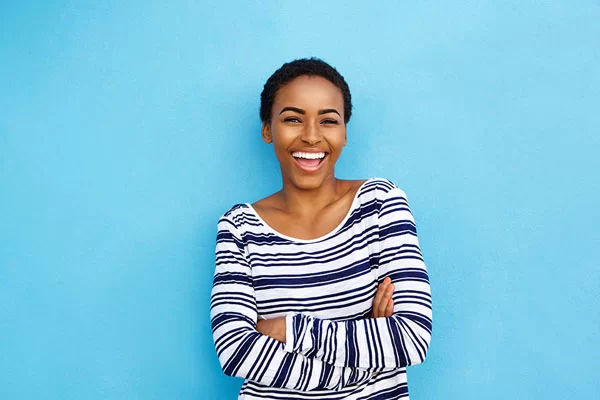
<point x="307" y="117"/>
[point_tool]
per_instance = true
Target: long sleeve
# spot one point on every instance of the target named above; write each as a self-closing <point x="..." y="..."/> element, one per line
<point x="378" y="343"/>
<point x="242" y="350"/>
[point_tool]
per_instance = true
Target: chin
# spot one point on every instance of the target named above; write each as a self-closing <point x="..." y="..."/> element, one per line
<point x="309" y="182"/>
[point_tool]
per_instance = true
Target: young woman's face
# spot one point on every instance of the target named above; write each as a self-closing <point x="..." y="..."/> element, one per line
<point x="307" y="130"/>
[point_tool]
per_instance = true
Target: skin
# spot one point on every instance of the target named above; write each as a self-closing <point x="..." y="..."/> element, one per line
<point x="308" y="115"/>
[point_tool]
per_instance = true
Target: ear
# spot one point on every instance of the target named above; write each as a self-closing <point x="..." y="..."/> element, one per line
<point x="266" y="132"/>
<point x="345" y="137"/>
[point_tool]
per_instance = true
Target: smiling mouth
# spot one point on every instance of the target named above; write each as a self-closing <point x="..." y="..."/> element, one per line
<point x="309" y="162"/>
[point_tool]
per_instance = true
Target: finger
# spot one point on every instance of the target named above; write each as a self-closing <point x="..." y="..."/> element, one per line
<point x="380" y="307"/>
<point x="376" y="300"/>
<point x="389" y="310"/>
<point x="389" y="289"/>
<point x="379" y="295"/>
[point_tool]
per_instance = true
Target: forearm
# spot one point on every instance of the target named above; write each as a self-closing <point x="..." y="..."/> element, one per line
<point x="373" y="343"/>
<point x="246" y="353"/>
<point x="398" y="341"/>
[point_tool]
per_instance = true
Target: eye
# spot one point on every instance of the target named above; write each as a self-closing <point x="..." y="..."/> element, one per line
<point x="329" y="121"/>
<point x="294" y="120"/>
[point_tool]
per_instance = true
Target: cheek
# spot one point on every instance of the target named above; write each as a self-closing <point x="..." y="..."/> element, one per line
<point x="338" y="140"/>
<point x="280" y="152"/>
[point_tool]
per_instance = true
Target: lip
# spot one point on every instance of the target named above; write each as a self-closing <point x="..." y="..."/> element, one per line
<point x="310" y="170"/>
<point x="311" y="150"/>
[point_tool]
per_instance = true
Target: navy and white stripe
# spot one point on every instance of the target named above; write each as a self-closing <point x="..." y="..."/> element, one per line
<point x="325" y="288"/>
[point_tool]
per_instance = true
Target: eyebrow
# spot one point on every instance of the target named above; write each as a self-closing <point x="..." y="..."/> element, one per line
<point x="328" y="110"/>
<point x="301" y="111"/>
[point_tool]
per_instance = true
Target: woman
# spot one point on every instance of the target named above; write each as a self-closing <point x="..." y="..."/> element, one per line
<point x="320" y="290"/>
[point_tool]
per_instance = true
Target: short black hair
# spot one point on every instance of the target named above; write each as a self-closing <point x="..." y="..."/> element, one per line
<point x="305" y="66"/>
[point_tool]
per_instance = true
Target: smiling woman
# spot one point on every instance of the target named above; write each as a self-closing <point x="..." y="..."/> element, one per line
<point x="320" y="289"/>
<point x="308" y="132"/>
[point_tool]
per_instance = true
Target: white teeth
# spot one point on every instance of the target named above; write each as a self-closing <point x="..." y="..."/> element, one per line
<point x="310" y="156"/>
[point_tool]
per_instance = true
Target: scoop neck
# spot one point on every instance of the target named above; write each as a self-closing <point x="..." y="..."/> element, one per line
<point x="322" y="237"/>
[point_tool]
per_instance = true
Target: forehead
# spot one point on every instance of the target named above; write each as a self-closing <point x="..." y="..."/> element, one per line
<point x="309" y="92"/>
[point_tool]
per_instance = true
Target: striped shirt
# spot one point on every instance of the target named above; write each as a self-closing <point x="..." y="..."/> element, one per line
<point x="325" y="289"/>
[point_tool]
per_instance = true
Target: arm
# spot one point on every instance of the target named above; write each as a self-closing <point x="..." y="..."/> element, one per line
<point x="383" y="306"/>
<point x="378" y="343"/>
<point x="243" y="352"/>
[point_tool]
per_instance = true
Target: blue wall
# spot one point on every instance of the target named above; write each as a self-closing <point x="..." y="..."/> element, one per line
<point x="127" y="130"/>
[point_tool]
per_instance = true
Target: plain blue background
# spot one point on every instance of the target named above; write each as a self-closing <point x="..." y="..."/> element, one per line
<point x="128" y="128"/>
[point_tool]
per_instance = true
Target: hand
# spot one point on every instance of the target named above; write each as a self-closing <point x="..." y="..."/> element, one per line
<point x="383" y="305"/>
<point x="274" y="328"/>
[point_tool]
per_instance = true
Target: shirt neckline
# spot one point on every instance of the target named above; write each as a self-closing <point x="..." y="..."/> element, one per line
<point x="317" y="239"/>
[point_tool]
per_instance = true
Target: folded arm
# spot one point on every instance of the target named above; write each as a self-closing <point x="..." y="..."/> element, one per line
<point x="377" y="343"/>
<point x="242" y="350"/>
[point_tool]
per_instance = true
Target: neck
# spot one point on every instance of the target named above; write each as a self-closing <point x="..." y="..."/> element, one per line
<point x="306" y="201"/>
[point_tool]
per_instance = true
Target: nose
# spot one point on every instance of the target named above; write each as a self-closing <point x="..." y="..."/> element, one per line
<point x="311" y="135"/>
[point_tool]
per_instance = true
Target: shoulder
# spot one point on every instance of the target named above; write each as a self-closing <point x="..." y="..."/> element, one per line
<point x="382" y="188"/>
<point x="235" y="217"/>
